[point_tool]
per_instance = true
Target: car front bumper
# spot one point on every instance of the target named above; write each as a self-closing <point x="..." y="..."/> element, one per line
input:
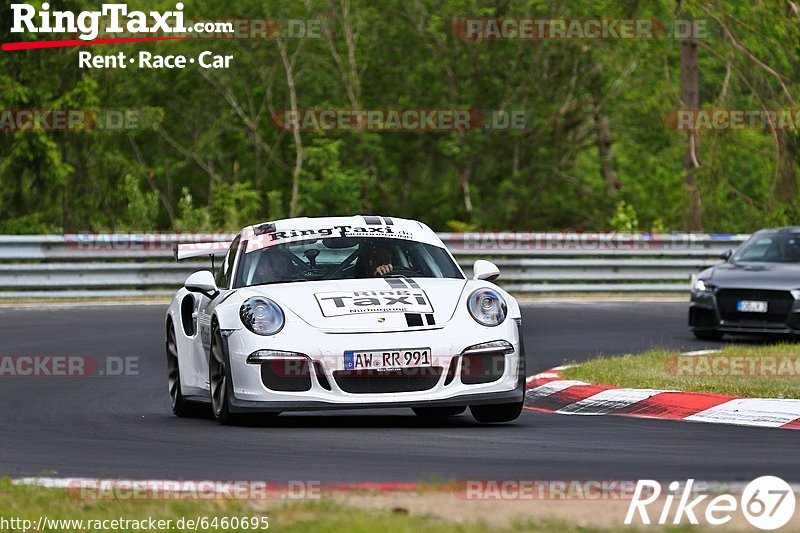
<point x="715" y="311"/>
<point x="325" y="351"/>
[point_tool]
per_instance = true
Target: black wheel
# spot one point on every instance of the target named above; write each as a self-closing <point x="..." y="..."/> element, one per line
<point x="180" y="405"/>
<point x="711" y="335"/>
<point x="438" y="412"/>
<point x="494" y="413"/>
<point x="218" y="378"/>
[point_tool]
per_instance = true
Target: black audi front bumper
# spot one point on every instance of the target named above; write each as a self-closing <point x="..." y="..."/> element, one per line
<point x="717" y="311"/>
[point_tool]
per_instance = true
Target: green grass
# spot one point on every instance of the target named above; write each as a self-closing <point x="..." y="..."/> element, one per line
<point x="28" y="502"/>
<point x="666" y="369"/>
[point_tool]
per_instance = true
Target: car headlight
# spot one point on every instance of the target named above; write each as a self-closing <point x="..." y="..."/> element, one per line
<point x="262" y="316"/>
<point x="702" y="286"/>
<point x="487" y="307"/>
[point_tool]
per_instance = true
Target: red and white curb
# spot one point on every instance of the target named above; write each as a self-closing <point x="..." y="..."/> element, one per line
<point x="549" y="392"/>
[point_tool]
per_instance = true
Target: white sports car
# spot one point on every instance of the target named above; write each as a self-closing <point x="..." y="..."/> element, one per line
<point x="343" y="312"/>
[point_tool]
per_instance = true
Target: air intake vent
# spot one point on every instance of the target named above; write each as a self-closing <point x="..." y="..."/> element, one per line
<point x="375" y="382"/>
<point x="286" y="375"/>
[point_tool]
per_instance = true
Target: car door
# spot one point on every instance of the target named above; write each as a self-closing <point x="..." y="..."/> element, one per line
<point x="205" y="311"/>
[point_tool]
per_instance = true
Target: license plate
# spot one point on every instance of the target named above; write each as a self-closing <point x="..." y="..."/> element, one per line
<point x="387" y="359"/>
<point x="750" y="306"/>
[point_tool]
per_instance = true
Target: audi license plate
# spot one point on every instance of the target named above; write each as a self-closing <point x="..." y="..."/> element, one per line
<point x="751" y="306"/>
<point x="387" y="359"/>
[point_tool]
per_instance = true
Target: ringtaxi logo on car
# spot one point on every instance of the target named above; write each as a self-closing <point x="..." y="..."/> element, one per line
<point x="340" y="303"/>
<point x="767" y="503"/>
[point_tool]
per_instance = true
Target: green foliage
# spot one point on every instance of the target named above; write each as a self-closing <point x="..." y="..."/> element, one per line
<point x="234" y="206"/>
<point x="331" y="184"/>
<point x="141" y="213"/>
<point x="624" y="218"/>
<point x="457" y="226"/>
<point x="190" y="217"/>
<point x="276" y="205"/>
<point x="215" y="160"/>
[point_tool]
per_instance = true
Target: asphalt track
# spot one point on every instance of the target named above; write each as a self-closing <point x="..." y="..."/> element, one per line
<point x="121" y="427"/>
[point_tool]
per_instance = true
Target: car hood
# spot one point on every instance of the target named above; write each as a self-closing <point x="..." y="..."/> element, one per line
<point x="770" y="276"/>
<point x="367" y="305"/>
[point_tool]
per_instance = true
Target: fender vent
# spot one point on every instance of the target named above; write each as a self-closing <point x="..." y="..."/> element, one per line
<point x="187" y="320"/>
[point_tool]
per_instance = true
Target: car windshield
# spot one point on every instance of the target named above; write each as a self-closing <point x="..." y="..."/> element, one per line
<point x="770" y="248"/>
<point x="335" y="258"/>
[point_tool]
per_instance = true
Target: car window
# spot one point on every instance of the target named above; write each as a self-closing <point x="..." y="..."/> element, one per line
<point x="343" y="258"/>
<point x="774" y="248"/>
<point x="223" y="274"/>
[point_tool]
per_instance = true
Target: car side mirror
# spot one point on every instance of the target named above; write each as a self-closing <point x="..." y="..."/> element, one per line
<point x="202" y="282"/>
<point x="726" y="255"/>
<point x="485" y="270"/>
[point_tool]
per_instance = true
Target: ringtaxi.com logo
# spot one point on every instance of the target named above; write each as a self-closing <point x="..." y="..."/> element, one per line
<point x="767" y="503"/>
<point x="87" y="23"/>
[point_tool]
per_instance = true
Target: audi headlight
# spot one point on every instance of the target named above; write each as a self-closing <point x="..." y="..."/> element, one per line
<point x="702" y="286"/>
<point x="487" y="307"/>
<point x="262" y="316"/>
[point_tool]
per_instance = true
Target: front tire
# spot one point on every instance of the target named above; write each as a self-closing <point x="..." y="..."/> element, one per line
<point x="218" y="378"/>
<point x="496" y="413"/>
<point x="181" y="407"/>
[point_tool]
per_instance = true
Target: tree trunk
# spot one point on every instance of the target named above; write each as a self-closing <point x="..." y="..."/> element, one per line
<point x="785" y="186"/>
<point x="605" y="147"/>
<point x="464" y="179"/>
<point x="690" y="99"/>
<point x="298" y="141"/>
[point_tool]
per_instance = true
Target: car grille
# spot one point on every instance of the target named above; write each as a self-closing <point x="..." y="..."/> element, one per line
<point x="778" y="307"/>
<point x="385" y="381"/>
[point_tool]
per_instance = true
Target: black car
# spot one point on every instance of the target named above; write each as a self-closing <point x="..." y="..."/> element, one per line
<point x="756" y="290"/>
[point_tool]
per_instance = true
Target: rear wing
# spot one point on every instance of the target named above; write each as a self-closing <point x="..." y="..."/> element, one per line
<point x="200" y="249"/>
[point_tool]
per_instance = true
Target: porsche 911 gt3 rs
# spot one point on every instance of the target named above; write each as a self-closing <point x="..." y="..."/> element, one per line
<point x="343" y="312"/>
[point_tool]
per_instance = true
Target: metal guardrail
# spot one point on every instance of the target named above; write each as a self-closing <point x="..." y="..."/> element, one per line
<point x="98" y="265"/>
